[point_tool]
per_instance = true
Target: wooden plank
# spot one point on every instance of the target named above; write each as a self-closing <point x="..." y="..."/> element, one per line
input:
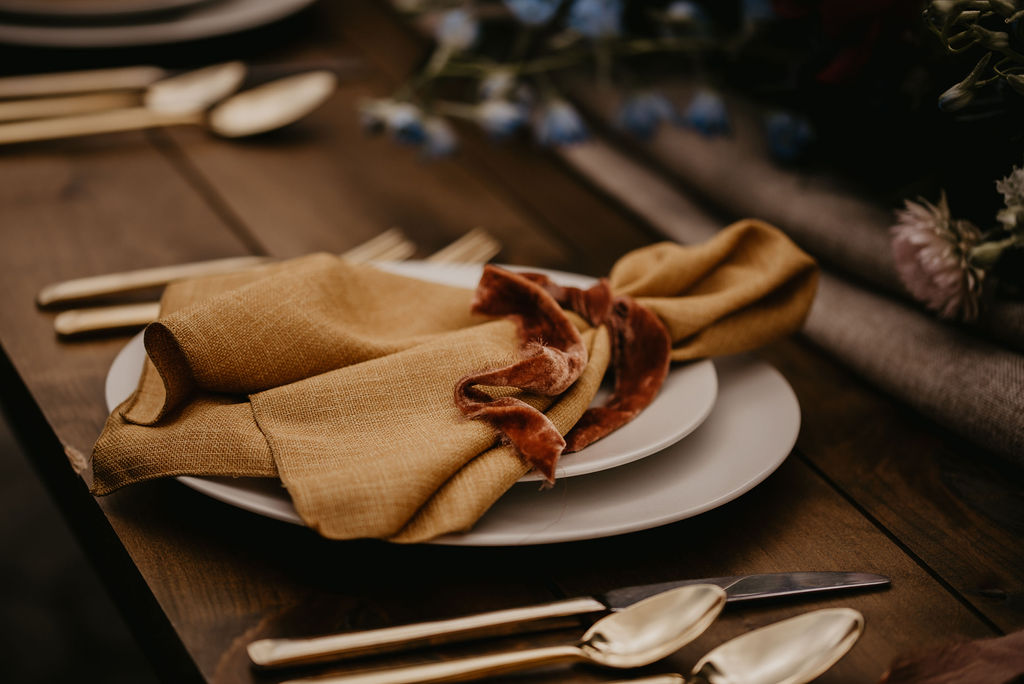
<point x="791" y="521"/>
<point x="529" y="175"/>
<point x="953" y="507"/>
<point x="326" y="185"/>
<point x="72" y="209"/>
<point x="343" y="186"/>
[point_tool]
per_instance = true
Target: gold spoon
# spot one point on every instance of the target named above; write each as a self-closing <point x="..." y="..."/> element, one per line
<point x="258" y="110"/>
<point x="189" y="91"/>
<point x="792" y="651"/>
<point x="639" y="635"/>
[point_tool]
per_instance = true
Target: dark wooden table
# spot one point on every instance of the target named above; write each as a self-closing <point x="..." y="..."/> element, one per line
<point x="871" y="486"/>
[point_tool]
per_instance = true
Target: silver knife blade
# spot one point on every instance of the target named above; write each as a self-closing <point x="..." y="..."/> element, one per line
<point x="749" y="587"/>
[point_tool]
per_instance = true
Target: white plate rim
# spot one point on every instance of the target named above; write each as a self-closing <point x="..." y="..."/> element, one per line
<point x="765" y="429"/>
<point x="780" y="420"/>
<point x="97" y="10"/>
<point x="217" y="19"/>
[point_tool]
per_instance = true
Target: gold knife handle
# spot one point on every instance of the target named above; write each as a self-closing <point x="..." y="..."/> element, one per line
<point x="128" y="281"/>
<point x="121" y="78"/>
<point x="282" y="652"/>
<point x="82" y="321"/>
<point x="40" y="107"/>
<point x="75" y="125"/>
<point x="455" y="670"/>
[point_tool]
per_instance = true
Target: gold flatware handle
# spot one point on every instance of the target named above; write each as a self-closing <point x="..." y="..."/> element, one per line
<point x="42" y="107"/>
<point x="129" y="281"/>
<point x="82" y="321"/>
<point x="67" y="82"/>
<point x="455" y="670"/>
<point x="283" y="652"/>
<point x="110" y="121"/>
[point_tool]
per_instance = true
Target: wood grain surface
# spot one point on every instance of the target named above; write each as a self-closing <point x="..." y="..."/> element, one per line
<point x="871" y="486"/>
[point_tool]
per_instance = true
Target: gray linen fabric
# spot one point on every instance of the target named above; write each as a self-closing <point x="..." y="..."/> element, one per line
<point x="965" y="381"/>
<point x="845" y="230"/>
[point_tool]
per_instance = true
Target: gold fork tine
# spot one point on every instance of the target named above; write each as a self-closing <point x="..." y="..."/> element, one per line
<point x="387" y="245"/>
<point x="476" y="246"/>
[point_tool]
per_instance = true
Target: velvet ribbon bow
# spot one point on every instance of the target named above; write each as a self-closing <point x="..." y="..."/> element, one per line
<point x="553" y="356"/>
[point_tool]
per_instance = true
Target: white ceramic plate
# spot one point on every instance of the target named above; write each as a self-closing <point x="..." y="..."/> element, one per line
<point x="748" y="435"/>
<point x="205" y="21"/>
<point x="93" y="9"/>
<point x="683" y="403"/>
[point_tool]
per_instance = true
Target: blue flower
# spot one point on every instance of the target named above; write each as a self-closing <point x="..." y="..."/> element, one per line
<point x="596" y="18"/>
<point x="500" y="118"/>
<point x="440" y="138"/>
<point x="498" y="83"/>
<point x="533" y="12"/>
<point x="403" y="120"/>
<point x="458" y="29"/>
<point x="642" y="113"/>
<point x="707" y="114"/>
<point x="686" y="13"/>
<point x="788" y="135"/>
<point x="559" y="124"/>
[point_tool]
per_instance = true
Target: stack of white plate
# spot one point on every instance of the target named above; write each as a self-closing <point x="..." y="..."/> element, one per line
<point x="716" y="429"/>
<point x="125" y="23"/>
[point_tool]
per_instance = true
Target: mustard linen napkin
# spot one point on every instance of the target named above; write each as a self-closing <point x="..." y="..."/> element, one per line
<point x="338" y="378"/>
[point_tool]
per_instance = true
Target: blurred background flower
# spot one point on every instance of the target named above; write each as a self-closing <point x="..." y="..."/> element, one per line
<point x="932" y="252"/>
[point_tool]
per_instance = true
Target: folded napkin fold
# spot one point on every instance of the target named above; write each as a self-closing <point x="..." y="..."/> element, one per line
<point x="340" y="379"/>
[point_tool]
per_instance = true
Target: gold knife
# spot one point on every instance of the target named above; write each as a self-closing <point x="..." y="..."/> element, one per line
<point x="286" y="652"/>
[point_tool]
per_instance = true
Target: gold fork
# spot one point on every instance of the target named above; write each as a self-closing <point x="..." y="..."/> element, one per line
<point x="476" y="246"/>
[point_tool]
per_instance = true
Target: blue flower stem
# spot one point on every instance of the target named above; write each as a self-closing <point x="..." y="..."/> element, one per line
<point x="457" y="110"/>
<point x="442" y="55"/>
<point x="546" y="86"/>
<point x="521" y="46"/>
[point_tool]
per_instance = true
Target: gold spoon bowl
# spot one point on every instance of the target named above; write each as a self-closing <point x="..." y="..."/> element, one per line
<point x="792" y="651"/>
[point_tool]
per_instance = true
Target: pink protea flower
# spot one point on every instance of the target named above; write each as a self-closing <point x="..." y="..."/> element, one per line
<point x="932" y="254"/>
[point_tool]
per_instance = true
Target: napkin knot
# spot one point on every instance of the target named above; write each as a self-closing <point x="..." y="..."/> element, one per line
<point x="553" y="356"/>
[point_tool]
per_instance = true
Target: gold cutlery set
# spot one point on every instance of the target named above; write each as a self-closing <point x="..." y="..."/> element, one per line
<point x="792" y="651"/>
<point x="70" y="104"/>
<point x="476" y="246"/>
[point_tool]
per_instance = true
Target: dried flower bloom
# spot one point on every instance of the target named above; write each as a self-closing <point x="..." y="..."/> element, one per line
<point x="932" y="254"/>
<point x="961" y="94"/>
<point x="1012" y="187"/>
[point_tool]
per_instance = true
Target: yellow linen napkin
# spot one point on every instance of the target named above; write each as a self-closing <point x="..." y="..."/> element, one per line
<point x="339" y="378"/>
